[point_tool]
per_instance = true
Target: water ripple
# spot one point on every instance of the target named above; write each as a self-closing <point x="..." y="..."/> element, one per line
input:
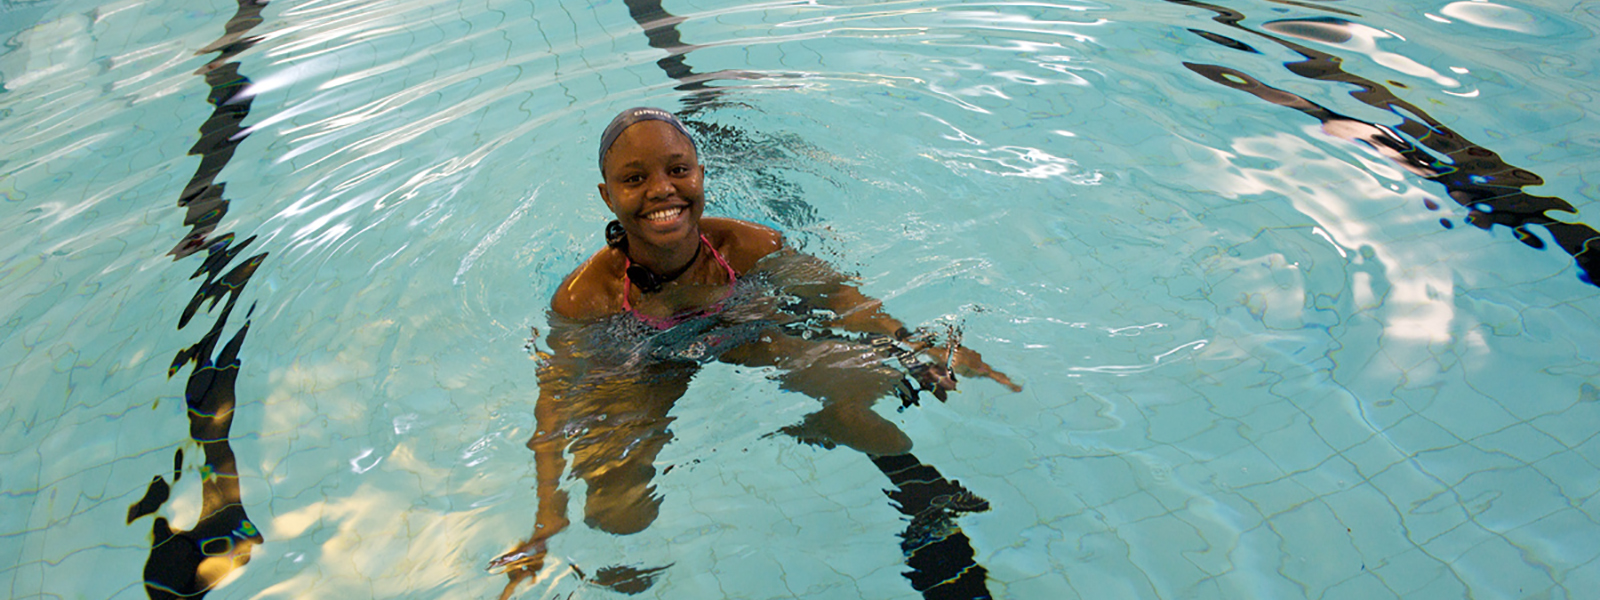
<point x="1226" y="245"/>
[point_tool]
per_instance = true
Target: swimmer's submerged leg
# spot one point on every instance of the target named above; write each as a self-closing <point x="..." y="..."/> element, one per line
<point x="848" y="378"/>
<point x="939" y="553"/>
<point x="852" y="424"/>
<point x="621" y="499"/>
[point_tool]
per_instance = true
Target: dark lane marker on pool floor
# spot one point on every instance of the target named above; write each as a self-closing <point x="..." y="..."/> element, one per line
<point x="1476" y="178"/>
<point x="188" y="564"/>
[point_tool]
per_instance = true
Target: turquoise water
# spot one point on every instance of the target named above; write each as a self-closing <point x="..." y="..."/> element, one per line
<point x="1279" y="332"/>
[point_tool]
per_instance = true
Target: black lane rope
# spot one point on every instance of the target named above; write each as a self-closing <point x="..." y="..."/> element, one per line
<point x="188" y="564"/>
<point x="1475" y="178"/>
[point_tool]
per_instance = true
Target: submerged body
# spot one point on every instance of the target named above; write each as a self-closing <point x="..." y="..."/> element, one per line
<point x="673" y="290"/>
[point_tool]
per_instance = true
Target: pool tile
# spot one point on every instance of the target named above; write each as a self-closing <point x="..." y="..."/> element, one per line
<point x="1363" y="585"/>
<point x="1318" y="549"/>
<point x="1495" y="567"/>
<point x="1453" y="465"/>
<point x="1469" y="416"/>
<point x="1522" y="442"/>
<point x="1279" y="496"/>
<point x="1047" y="585"/>
<point x="1557" y="466"/>
<point x="1295" y="448"/>
<point x="1245" y="467"/>
<point x="1563" y="538"/>
<point x="1426" y="508"/>
<point x="1505" y="499"/>
<point x="1370" y="521"/>
<point x="1572" y="427"/>
<point x="1415" y="574"/>
<point x="1169" y="557"/>
<point x="1332" y="477"/>
<point x="1336" y="420"/>
<point x="1101" y="562"/>
<point x="1222" y="438"/>
<point x="1452" y="544"/>
<point x="1374" y="455"/>
<point x="1417" y="435"/>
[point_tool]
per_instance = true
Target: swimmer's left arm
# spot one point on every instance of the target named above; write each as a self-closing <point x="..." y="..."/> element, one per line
<point x="862" y="313"/>
<point x="858" y="312"/>
<point x="748" y="244"/>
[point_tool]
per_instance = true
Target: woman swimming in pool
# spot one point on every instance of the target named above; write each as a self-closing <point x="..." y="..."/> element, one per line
<point x="672" y="290"/>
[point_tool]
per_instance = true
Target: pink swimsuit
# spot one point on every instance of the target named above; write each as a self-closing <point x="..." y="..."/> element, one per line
<point x="669" y="322"/>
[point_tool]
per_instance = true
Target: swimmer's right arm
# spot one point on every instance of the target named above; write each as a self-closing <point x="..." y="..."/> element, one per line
<point x="549" y="464"/>
<point x="528" y="558"/>
<point x="548" y="446"/>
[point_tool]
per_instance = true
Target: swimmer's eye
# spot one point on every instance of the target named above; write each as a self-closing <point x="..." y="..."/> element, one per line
<point x="679" y="171"/>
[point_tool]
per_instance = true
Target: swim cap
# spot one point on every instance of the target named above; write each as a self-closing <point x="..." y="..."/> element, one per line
<point x="632" y="116"/>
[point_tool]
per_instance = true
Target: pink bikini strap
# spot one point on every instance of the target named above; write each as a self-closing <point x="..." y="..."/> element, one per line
<point x="627" y="284"/>
<point x="732" y="275"/>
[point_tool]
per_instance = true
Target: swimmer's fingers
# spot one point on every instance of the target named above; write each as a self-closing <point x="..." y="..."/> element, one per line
<point x="525" y="561"/>
<point x="935" y="378"/>
<point x="1002" y="379"/>
<point x="968" y="363"/>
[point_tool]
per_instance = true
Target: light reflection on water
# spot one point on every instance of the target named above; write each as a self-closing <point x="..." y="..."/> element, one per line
<point x="1329" y="394"/>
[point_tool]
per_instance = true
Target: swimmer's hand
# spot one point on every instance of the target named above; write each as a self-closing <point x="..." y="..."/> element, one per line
<point x="935" y="379"/>
<point x="966" y="363"/>
<point x="528" y="558"/>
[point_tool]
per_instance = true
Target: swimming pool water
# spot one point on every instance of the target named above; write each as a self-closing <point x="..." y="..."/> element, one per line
<point x="1281" y="279"/>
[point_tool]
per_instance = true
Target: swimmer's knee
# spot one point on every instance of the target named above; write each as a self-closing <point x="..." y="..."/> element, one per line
<point x="860" y="428"/>
<point x="622" y="514"/>
<point x="892" y="443"/>
<point x="621" y="499"/>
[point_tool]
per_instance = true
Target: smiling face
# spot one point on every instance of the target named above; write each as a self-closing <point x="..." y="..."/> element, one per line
<point x="655" y="185"/>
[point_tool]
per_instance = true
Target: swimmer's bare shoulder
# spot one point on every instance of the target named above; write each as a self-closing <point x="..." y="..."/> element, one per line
<point x="592" y="291"/>
<point x="741" y="243"/>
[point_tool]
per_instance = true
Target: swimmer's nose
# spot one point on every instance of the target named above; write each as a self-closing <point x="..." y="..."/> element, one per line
<point x="661" y="187"/>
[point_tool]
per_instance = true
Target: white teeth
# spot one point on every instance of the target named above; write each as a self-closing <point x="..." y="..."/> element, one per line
<point x="662" y="215"/>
